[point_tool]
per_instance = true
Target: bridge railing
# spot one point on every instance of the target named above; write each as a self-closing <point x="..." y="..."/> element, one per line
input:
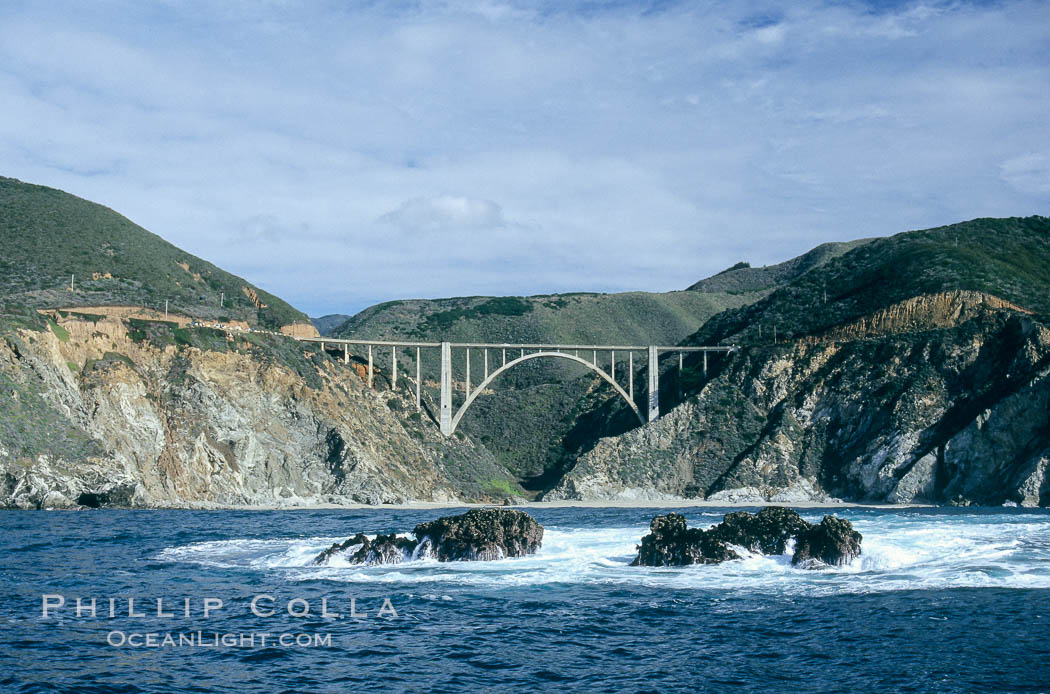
<point x="519" y="345"/>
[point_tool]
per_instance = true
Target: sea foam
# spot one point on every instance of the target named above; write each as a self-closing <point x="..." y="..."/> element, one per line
<point x="900" y="552"/>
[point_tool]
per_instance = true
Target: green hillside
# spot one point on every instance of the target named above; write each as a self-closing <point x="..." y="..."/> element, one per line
<point x="1007" y="258"/>
<point x="47" y="236"/>
<point x="744" y="278"/>
<point x="634" y="317"/>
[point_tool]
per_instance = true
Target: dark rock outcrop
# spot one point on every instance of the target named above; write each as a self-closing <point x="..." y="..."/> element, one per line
<point x="765" y="532"/>
<point x="480" y="534"/>
<point x="477" y="535"/>
<point x="671" y="543"/>
<point x="833" y="542"/>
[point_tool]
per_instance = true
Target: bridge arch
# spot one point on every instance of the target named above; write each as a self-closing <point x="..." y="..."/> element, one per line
<point x="538" y="355"/>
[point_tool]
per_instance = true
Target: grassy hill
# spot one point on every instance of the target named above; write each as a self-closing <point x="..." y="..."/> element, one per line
<point x="1007" y="258"/>
<point x="744" y="278"/>
<point x="47" y="235"/>
<point x="636" y="317"/>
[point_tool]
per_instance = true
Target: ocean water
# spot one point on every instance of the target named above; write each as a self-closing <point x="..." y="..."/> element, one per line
<point x="941" y="600"/>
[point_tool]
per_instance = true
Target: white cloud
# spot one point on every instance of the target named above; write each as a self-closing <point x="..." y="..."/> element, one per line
<point x="340" y="155"/>
<point x="1028" y="173"/>
<point x="445" y="212"/>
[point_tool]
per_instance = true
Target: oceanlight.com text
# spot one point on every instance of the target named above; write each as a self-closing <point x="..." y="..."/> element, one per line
<point x="205" y="639"/>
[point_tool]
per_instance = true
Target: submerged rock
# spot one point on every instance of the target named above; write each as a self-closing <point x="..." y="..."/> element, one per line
<point x="477" y="535"/>
<point x="671" y="543"/>
<point x="385" y="549"/>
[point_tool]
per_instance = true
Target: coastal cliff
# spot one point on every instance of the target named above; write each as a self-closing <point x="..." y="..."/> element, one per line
<point x="914" y="368"/>
<point x="103" y="413"/>
<point x="945" y="414"/>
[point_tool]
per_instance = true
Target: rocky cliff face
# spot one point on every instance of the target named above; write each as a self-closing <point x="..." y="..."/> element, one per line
<point x="944" y="397"/>
<point x="177" y="425"/>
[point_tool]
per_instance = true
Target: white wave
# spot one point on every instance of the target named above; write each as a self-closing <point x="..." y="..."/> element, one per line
<point x="900" y="551"/>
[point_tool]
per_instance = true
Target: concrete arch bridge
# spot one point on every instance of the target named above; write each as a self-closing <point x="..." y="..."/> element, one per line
<point x="498" y="358"/>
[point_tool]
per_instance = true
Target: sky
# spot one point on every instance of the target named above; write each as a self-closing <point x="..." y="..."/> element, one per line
<point x="339" y="154"/>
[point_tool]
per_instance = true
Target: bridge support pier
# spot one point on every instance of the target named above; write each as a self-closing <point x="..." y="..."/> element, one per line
<point x="419" y="379"/>
<point x="630" y="374"/>
<point x="393" y="368"/>
<point x="446" y="389"/>
<point x="654" y="383"/>
<point x="681" y="358"/>
<point x="369" y="366"/>
<point x="346" y="353"/>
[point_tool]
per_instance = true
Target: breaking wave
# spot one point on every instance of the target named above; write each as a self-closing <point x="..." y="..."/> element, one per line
<point x="901" y="551"/>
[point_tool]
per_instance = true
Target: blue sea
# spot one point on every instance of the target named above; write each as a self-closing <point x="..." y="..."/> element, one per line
<point x="942" y="600"/>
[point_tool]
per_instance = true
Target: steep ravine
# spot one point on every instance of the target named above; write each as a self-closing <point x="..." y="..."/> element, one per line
<point x="177" y="425"/>
<point x="945" y="398"/>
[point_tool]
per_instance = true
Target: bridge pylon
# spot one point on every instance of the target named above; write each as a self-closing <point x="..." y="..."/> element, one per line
<point x="446" y="388"/>
<point x="654" y="384"/>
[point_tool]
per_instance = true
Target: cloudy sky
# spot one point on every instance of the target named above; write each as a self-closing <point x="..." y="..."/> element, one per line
<point x="340" y="153"/>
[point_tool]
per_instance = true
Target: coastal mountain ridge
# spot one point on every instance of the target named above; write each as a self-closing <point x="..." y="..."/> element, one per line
<point x="744" y="278"/>
<point x="914" y="367"/>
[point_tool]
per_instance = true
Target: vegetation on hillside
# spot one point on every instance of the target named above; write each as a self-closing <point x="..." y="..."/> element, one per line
<point x="440" y="321"/>
<point x="49" y="236"/>
<point x="744" y="278"/>
<point x="1007" y="258"/>
<point x="304" y="358"/>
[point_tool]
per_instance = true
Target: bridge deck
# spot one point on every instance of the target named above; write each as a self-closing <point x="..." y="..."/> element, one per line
<point x="516" y="345"/>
